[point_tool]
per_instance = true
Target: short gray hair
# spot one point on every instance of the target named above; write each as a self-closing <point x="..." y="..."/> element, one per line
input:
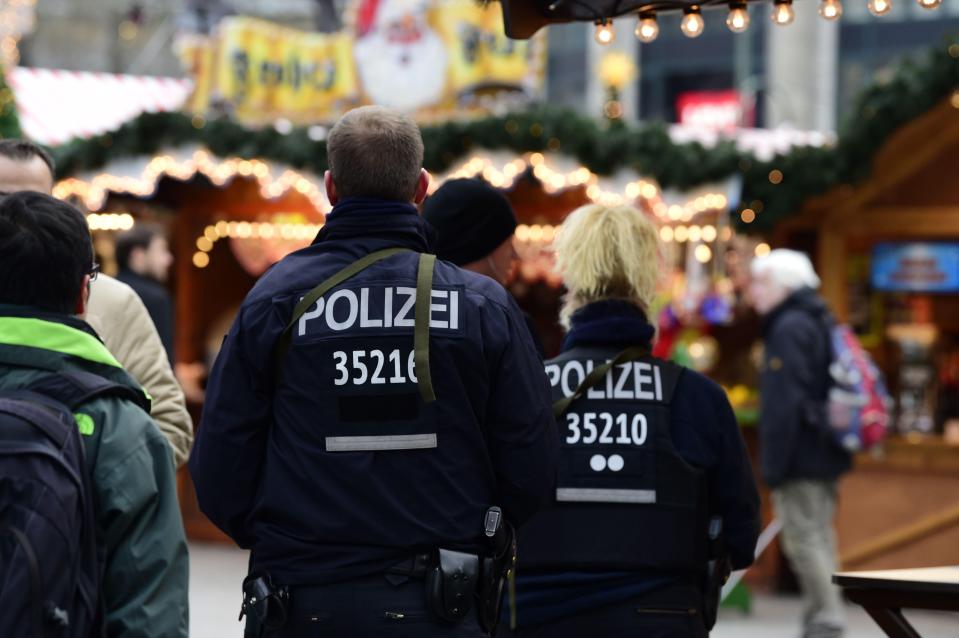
<point x="375" y="152"/>
<point x="790" y="269"/>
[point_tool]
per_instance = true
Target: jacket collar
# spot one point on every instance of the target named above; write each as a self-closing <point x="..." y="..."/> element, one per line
<point x="804" y="300"/>
<point x="64" y="334"/>
<point x="612" y="322"/>
<point x="363" y="217"/>
<point x="128" y="275"/>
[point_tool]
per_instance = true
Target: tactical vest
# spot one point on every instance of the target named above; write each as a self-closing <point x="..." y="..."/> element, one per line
<point x="374" y="342"/>
<point x="625" y="500"/>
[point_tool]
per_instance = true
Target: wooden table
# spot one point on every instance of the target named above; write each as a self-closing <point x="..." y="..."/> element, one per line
<point x="884" y="594"/>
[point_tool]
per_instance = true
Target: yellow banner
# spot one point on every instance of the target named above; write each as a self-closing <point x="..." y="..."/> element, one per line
<point x="428" y="58"/>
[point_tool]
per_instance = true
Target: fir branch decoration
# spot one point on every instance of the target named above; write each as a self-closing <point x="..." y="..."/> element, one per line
<point x="604" y="148"/>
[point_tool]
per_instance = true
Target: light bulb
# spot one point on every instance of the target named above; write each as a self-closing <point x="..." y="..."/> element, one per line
<point x="879" y="7"/>
<point x="604" y="32"/>
<point x="783" y="12"/>
<point x="930" y="4"/>
<point x="830" y="9"/>
<point x="693" y="23"/>
<point x="738" y="18"/>
<point x="647" y="29"/>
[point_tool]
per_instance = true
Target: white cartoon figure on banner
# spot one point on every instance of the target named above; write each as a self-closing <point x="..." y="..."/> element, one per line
<point x="400" y="58"/>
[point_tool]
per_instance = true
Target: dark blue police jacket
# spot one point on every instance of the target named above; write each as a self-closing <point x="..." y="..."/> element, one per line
<point x="287" y="466"/>
<point x="704" y="433"/>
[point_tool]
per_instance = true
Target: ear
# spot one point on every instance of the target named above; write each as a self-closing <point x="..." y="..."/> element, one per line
<point x="84" y="298"/>
<point x="422" y="187"/>
<point x="330" y="188"/>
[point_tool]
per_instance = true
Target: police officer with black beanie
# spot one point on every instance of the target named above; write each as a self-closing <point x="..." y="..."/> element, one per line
<point x="655" y="496"/>
<point x="475" y="223"/>
<point x="373" y="417"/>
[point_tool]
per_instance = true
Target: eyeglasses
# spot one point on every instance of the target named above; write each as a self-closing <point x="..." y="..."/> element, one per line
<point x="93" y="272"/>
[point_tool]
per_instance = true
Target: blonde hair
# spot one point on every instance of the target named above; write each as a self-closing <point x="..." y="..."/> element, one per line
<point x="607" y="252"/>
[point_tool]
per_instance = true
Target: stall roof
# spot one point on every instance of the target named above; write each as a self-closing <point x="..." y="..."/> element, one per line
<point x="56" y="106"/>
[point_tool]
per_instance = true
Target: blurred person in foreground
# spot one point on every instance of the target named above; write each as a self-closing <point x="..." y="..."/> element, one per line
<point x="368" y="407"/>
<point x="655" y="496"/>
<point x="144" y="260"/>
<point x="799" y="458"/>
<point x="139" y="559"/>
<point x="475" y="225"/>
<point x="115" y="311"/>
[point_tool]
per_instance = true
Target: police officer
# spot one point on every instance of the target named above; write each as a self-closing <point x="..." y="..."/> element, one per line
<point x="366" y="410"/>
<point x="475" y="223"/>
<point x="655" y="495"/>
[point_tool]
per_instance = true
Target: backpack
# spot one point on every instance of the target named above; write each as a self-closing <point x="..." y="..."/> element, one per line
<point x="858" y="403"/>
<point x="51" y="560"/>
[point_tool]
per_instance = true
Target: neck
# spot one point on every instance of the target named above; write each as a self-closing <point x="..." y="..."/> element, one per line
<point x="609" y="322"/>
<point x="484" y="267"/>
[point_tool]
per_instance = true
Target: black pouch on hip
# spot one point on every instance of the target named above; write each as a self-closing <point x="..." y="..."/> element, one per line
<point x="266" y="603"/>
<point x="450" y="584"/>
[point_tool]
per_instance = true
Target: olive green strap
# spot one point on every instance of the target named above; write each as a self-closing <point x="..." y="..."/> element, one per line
<point x="596" y="375"/>
<point x="283" y="345"/>
<point x="421" y="329"/>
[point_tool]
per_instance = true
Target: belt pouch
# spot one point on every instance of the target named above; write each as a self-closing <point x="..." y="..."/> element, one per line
<point x="450" y="584"/>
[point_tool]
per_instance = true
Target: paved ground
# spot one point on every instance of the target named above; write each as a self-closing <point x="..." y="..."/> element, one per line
<point x="216" y="572"/>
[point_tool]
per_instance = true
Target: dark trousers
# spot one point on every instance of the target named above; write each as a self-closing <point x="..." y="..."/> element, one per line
<point x="371" y="607"/>
<point x="675" y="612"/>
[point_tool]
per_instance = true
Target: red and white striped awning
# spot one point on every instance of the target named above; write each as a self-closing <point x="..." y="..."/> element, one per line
<point x="56" y="106"/>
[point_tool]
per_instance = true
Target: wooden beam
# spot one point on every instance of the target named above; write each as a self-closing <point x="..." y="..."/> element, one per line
<point x="905" y="221"/>
<point x="832" y="267"/>
<point x="905" y="535"/>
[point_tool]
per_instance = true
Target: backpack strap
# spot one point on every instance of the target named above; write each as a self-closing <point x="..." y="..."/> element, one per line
<point x="36" y="579"/>
<point x="76" y="387"/>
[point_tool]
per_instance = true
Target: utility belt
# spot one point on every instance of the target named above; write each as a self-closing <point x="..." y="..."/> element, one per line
<point x="454" y="581"/>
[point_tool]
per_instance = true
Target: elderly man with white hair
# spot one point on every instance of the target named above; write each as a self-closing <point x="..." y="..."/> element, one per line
<point x="799" y="460"/>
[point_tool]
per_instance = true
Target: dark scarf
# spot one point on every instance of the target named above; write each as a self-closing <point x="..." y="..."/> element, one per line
<point x="611" y="322"/>
<point x="366" y="217"/>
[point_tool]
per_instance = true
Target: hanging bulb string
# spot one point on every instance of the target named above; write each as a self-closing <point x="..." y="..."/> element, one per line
<point x="738" y="18"/>
<point x="604" y="32"/>
<point x="647" y="29"/>
<point x="783" y="12"/>
<point x="693" y="24"/>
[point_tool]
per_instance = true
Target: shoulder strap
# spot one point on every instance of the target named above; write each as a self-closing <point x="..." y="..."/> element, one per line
<point x="421" y="326"/>
<point x="421" y="335"/>
<point x="74" y="388"/>
<point x="597" y="374"/>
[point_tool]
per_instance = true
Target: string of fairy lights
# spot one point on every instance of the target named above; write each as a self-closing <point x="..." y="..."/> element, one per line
<point x="93" y="192"/>
<point x="678" y="221"/>
<point x="737" y="19"/>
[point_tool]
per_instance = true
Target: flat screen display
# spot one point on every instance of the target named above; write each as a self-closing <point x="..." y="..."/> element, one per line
<point x="916" y="267"/>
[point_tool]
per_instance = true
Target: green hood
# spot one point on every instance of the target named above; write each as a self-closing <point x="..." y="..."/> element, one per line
<point x="33" y="338"/>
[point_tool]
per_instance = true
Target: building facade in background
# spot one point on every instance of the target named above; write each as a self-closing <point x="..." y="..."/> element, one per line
<point x="804" y="75"/>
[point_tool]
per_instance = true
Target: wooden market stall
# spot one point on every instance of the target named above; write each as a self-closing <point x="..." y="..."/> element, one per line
<point x="887" y="247"/>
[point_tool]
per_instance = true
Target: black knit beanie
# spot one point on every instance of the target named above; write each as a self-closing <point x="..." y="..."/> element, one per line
<point x="471" y="218"/>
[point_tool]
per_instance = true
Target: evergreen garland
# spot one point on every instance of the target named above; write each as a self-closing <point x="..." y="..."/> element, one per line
<point x="9" y="121"/>
<point x="882" y="108"/>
